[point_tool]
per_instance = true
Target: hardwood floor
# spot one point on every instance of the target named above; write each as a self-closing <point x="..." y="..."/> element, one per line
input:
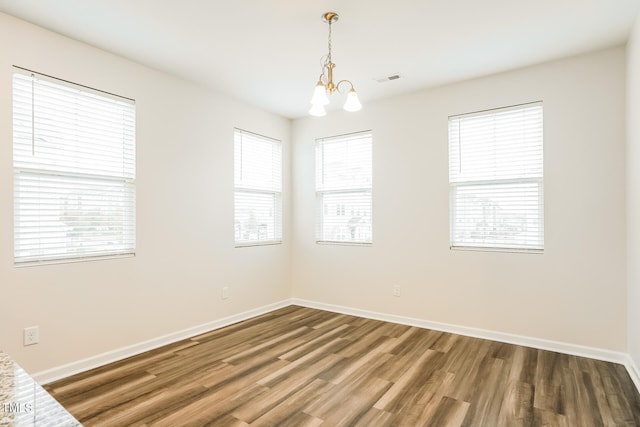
<point x="304" y="367"/>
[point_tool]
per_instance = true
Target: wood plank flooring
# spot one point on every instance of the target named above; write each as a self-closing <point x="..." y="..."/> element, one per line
<point x="304" y="367"/>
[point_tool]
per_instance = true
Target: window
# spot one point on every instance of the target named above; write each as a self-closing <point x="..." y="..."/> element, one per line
<point x="344" y="188"/>
<point x="496" y="179"/>
<point x="74" y="171"/>
<point x="258" y="189"/>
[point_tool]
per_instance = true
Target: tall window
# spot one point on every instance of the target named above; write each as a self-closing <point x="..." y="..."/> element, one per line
<point x="344" y="188"/>
<point x="74" y="171"/>
<point x="496" y="179"/>
<point x="258" y="189"/>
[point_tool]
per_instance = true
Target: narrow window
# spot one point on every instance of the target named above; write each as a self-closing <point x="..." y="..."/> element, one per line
<point x="496" y="179"/>
<point x="74" y="171"/>
<point x="344" y="188"/>
<point x="258" y="189"/>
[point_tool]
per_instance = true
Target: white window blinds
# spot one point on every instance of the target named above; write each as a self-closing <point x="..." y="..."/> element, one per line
<point x="344" y="188"/>
<point x="258" y="189"/>
<point x="496" y="179"/>
<point x="74" y="171"/>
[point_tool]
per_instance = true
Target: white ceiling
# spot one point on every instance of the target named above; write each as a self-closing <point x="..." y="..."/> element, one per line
<point x="267" y="52"/>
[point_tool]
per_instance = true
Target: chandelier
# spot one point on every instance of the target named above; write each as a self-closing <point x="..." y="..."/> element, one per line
<point x="326" y="86"/>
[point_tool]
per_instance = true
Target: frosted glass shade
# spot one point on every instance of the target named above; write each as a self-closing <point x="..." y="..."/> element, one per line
<point x="319" y="95"/>
<point x="317" y="110"/>
<point x="353" y="103"/>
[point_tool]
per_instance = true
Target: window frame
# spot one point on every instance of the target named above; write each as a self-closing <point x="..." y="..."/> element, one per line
<point x="248" y="191"/>
<point x="85" y="182"/>
<point x="358" y="190"/>
<point x="528" y="184"/>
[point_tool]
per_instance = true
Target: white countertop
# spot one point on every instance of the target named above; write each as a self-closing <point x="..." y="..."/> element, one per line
<point x="23" y="402"/>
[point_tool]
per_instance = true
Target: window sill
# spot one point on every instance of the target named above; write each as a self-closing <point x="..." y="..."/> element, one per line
<point x="490" y="249"/>
<point x="341" y="243"/>
<point x="252" y="244"/>
<point x="35" y="263"/>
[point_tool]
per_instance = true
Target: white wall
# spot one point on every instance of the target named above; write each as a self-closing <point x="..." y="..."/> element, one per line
<point x="185" y="250"/>
<point x="574" y="293"/>
<point x="633" y="193"/>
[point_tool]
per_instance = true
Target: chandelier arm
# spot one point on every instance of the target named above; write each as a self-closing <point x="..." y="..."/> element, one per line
<point x="344" y="81"/>
<point x="323" y="62"/>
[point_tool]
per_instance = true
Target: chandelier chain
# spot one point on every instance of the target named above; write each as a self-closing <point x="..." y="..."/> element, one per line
<point x="329" y="56"/>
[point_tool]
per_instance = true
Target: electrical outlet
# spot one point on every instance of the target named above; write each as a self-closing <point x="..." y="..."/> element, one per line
<point x="31" y="335"/>
<point x="396" y="291"/>
<point x="225" y="292"/>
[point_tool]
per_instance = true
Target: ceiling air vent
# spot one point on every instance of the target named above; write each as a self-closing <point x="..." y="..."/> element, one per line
<point x="394" y="76"/>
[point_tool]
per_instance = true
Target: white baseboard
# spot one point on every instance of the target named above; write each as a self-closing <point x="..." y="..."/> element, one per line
<point x="561" y="347"/>
<point x="633" y="370"/>
<point x="69" y="369"/>
<point x="63" y="371"/>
